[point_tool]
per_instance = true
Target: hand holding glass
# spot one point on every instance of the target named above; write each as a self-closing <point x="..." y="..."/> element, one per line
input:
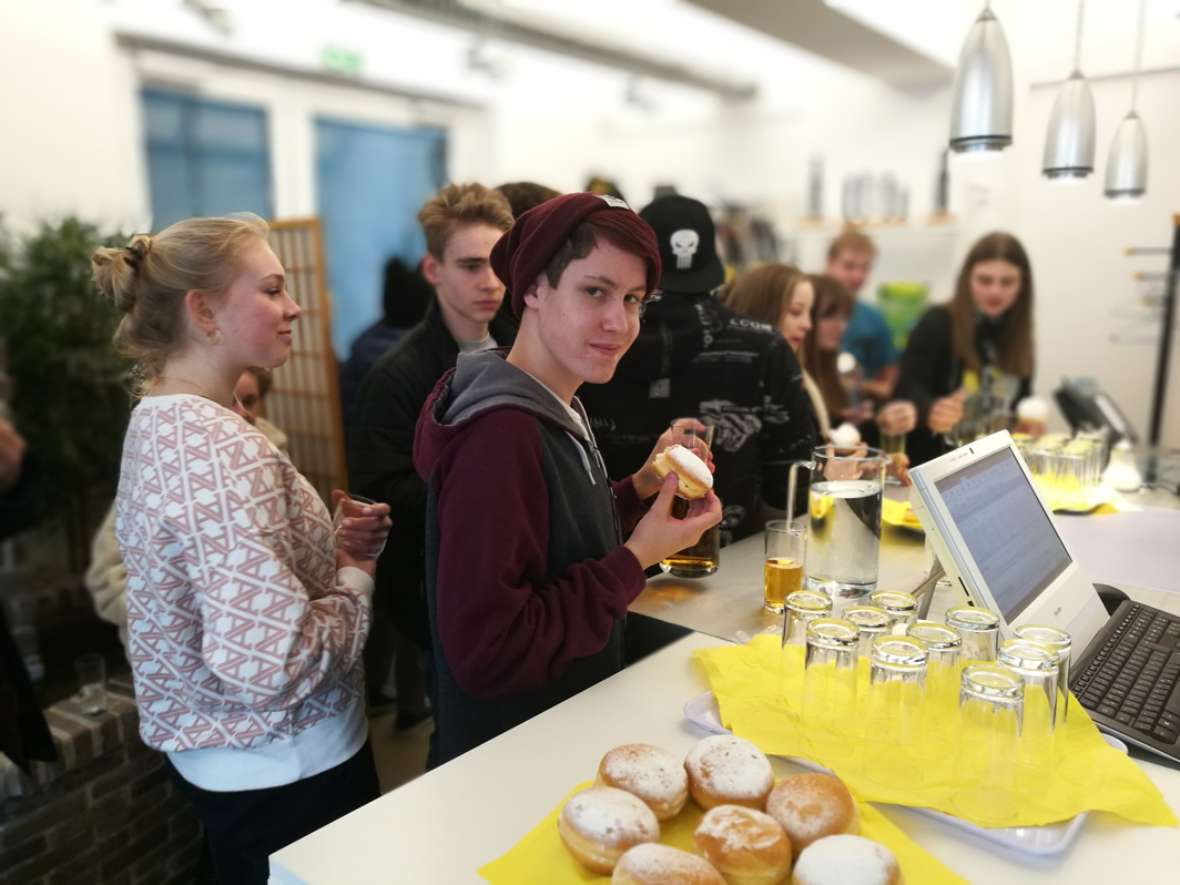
<point x="361" y="525"/>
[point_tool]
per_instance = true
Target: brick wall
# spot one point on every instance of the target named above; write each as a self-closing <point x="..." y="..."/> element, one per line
<point x="106" y="811"/>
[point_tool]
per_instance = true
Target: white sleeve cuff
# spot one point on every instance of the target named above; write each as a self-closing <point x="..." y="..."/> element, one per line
<point x="352" y="578"/>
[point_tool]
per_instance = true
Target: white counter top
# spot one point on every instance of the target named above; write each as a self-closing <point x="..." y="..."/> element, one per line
<point x="441" y="827"/>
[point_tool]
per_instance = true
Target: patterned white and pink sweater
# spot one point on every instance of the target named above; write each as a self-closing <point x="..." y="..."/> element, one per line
<point x="241" y="630"/>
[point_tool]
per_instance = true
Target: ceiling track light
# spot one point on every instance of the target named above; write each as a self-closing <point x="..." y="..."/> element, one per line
<point x="981" y="115"/>
<point x="1069" y="144"/>
<point x="1126" y="165"/>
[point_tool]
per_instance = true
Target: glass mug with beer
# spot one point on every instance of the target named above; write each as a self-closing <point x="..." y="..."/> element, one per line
<point x="782" y="569"/>
<point x="703" y="557"/>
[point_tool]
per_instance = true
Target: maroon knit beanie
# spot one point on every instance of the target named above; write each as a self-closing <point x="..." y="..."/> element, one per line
<point x="524" y="252"/>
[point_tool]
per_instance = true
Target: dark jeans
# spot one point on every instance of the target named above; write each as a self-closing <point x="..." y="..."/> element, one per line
<point x="244" y="828"/>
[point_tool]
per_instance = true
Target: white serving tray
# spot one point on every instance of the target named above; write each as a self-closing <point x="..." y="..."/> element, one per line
<point x="1046" y="841"/>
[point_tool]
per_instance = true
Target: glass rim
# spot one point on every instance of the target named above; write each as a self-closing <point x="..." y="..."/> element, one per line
<point x="972" y="619"/>
<point x="898" y="651"/>
<point x="858" y="454"/>
<point x="1024" y="654"/>
<point x="939" y="637"/>
<point x="1063" y="641"/>
<point x="876" y="618"/>
<point x="832" y="634"/>
<point x="785" y="527"/>
<point x="808" y="601"/>
<point x="901" y="600"/>
<point x="992" y="682"/>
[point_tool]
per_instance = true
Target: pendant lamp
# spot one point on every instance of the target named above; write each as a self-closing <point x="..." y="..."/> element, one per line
<point x="1069" y="145"/>
<point x="981" y="116"/>
<point x="1126" y="165"/>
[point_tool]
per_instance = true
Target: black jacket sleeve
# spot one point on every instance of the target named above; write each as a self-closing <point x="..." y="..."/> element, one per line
<point x="380" y="449"/>
<point x="788" y="428"/>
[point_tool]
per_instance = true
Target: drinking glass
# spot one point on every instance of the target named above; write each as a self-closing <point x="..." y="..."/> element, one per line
<point x="892" y="710"/>
<point x="782" y="568"/>
<point x="704" y="557"/>
<point x="871" y="622"/>
<point x="350" y="508"/>
<point x="901" y="607"/>
<point x="1036" y="665"/>
<point x="803" y="606"/>
<point x="829" y="681"/>
<point x="979" y="630"/>
<point x="943" y="646"/>
<point x="893" y="443"/>
<point x="991" y="711"/>
<point x="1061" y="642"/>
<point x="92" y="681"/>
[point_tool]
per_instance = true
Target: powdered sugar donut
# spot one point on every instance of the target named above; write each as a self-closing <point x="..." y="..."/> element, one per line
<point x="846" y="860"/>
<point x="747" y="846"/>
<point x="655" y="864"/>
<point x="599" y="824"/>
<point x="811" y="806"/>
<point x="723" y="769"/>
<point x="693" y="474"/>
<point x="654" y="775"/>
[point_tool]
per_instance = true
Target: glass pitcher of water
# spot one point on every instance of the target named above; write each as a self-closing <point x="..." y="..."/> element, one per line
<point x="844" y="522"/>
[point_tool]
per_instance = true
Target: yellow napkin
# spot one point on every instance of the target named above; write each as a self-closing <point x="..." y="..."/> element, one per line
<point x="899" y="514"/>
<point x="540" y="857"/>
<point x="757" y="689"/>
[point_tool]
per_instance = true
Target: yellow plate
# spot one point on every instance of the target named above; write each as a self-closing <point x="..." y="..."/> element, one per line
<point x="900" y="514"/>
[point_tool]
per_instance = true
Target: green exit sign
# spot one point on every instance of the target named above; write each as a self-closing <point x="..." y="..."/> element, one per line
<point x="341" y="60"/>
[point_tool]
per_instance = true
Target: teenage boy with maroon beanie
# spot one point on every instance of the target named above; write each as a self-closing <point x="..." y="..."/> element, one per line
<point x="529" y="564"/>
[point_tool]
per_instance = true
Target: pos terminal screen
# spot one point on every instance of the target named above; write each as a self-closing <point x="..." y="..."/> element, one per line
<point x="1013" y="542"/>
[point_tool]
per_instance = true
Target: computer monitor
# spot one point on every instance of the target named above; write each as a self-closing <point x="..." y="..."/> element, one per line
<point x="996" y="539"/>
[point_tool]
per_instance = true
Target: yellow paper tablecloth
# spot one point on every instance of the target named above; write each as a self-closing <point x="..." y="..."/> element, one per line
<point x="540" y="857"/>
<point x="757" y="692"/>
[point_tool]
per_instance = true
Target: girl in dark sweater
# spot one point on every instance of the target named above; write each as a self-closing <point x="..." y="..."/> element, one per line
<point x="976" y="349"/>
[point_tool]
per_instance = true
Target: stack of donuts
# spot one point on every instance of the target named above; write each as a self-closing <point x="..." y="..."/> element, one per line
<point x="754" y="831"/>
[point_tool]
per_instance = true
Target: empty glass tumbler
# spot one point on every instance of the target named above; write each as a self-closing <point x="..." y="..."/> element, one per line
<point x="901" y="607"/>
<point x="1062" y="643"/>
<point x="943" y="645"/>
<point x="979" y="630"/>
<point x="893" y="710"/>
<point x="1036" y="665"/>
<point x="991" y="710"/>
<point x="802" y="607"/>
<point x="871" y="621"/>
<point x="829" y="681"/>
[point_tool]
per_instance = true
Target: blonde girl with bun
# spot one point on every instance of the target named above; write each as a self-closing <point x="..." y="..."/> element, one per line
<point x="246" y="612"/>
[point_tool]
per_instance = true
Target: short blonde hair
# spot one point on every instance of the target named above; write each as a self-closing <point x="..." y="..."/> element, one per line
<point x="458" y="204"/>
<point x="147" y="280"/>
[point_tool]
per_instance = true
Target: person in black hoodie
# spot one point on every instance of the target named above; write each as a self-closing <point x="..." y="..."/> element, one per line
<point x="461" y="223"/>
<point x="532" y="554"/>
<point x="696" y="358"/>
<point x="980" y="345"/>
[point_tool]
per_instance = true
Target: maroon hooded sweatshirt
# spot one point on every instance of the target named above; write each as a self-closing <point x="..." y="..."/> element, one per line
<point x="526" y="578"/>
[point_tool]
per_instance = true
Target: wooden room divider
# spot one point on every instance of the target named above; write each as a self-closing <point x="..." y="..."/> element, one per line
<point x="305" y="399"/>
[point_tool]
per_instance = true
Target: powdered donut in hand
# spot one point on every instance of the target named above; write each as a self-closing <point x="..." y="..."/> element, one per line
<point x="693" y="474"/>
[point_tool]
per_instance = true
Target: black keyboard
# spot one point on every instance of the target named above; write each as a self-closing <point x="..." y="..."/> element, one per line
<point x="1131" y="681"/>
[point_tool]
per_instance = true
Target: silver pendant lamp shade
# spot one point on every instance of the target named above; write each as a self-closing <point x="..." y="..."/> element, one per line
<point x="1126" y="165"/>
<point x="981" y="117"/>
<point x="1069" y="144"/>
